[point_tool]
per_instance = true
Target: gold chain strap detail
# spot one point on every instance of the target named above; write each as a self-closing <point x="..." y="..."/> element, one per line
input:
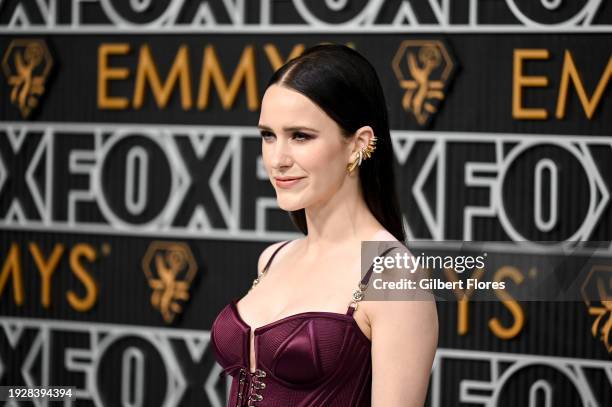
<point x="257" y="279"/>
<point x="358" y="295"/>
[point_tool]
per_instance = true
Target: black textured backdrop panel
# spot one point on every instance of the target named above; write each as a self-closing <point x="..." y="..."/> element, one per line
<point x="113" y="190"/>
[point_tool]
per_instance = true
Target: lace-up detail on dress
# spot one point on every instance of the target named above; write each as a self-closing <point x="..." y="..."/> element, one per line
<point x="250" y="385"/>
<point x="310" y="359"/>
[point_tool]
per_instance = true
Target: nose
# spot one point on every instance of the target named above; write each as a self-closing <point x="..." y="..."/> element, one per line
<point x="280" y="154"/>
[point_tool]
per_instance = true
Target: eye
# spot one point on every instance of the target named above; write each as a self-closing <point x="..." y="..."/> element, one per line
<point x="266" y="135"/>
<point x="298" y="136"/>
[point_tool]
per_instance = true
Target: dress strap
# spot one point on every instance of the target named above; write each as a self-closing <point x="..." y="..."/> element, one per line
<point x="274" y="254"/>
<point x="363" y="284"/>
<point x="265" y="269"/>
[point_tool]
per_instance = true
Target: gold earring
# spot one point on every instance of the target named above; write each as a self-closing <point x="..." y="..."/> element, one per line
<point x="366" y="151"/>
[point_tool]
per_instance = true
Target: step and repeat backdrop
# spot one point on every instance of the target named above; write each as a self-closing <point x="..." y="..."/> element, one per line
<point x="134" y="204"/>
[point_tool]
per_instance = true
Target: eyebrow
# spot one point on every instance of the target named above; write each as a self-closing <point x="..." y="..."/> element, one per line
<point x="288" y="129"/>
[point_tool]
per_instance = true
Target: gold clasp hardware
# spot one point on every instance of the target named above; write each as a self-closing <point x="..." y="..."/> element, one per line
<point x="358" y="295"/>
<point x="259" y="385"/>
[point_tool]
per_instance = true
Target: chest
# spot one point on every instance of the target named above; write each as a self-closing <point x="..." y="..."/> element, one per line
<point x="278" y="295"/>
<point x="300" y="349"/>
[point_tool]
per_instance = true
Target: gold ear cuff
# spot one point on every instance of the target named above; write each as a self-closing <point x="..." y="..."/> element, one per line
<point x="363" y="154"/>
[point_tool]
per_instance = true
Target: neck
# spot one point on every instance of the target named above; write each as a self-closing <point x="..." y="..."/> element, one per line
<point x="343" y="219"/>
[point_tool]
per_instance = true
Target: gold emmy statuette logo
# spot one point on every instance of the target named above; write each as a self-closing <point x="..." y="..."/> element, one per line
<point x="170" y="268"/>
<point x="598" y="285"/>
<point x="26" y="65"/>
<point x="423" y="68"/>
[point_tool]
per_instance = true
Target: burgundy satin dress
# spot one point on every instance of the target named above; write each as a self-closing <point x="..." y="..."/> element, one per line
<point x="311" y="359"/>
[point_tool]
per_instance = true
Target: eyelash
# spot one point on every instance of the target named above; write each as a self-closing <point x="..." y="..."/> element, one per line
<point x="302" y="137"/>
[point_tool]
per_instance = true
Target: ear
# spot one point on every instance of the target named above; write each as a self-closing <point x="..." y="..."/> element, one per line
<point x="361" y="139"/>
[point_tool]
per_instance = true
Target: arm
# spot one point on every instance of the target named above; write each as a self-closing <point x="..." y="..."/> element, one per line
<point x="404" y="342"/>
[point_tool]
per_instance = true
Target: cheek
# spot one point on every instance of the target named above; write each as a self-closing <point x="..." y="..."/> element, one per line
<point x="322" y="162"/>
<point x="265" y="156"/>
<point x="325" y="164"/>
<point x="311" y="158"/>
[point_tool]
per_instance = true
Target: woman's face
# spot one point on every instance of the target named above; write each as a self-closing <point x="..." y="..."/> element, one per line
<point x="303" y="149"/>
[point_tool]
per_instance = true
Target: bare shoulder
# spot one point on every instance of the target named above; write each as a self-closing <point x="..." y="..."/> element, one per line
<point x="421" y="314"/>
<point x="385" y="236"/>
<point x="266" y="254"/>
<point x="419" y="307"/>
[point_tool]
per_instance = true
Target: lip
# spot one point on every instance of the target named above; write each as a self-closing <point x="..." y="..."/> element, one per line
<point x="287" y="182"/>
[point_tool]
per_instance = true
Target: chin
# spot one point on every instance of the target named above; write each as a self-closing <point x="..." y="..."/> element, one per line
<point x="289" y="205"/>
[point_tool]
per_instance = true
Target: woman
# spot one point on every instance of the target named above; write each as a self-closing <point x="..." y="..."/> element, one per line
<point x="296" y="338"/>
